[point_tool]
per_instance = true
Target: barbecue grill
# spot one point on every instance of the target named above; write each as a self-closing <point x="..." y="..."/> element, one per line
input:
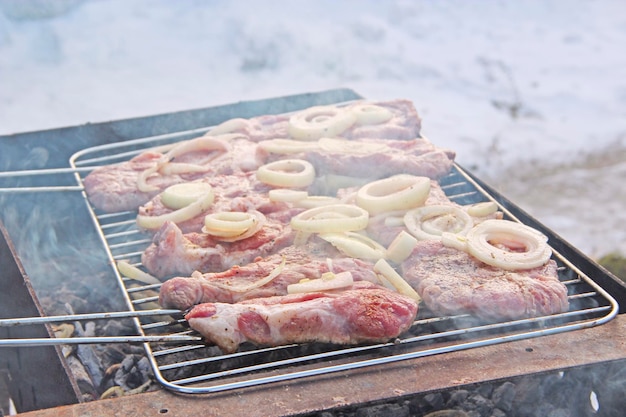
<point x="45" y="173"/>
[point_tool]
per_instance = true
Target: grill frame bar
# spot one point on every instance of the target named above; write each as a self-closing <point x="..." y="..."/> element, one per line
<point x="476" y="193"/>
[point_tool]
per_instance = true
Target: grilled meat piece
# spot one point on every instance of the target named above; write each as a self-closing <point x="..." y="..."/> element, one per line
<point x="113" y="188"/>
<point x="300" y="263"/>
<point x="236" y="192"/>
<point x="174" y="253"/>
<point x="366" y="313"/>
<point x="453" y="282"/>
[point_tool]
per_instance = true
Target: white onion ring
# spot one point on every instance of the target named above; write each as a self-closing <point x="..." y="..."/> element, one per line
<point x="328" y="282"/>
<point x="226" y="234"/>
<point x="192" y="210"/>
<point x="483" y="209"/>
<point x="287" y="146"/>
<point x="228" y="126"/>
<point x="295" y="173"/>
<point x="129" y="271"/>
<point x="481" y="240"/>
<point x="142" y="179"/>
<point x="331" y="218"/>
<point x="390" y="274"/>
<point x="401" y="247"/>
<point x="320" y="121"/>
<point x="371" y="114"/>
<point x="355" y="245"/>
<point x="181" y="195"/>
<point x="313" y="201"/>
<point x="399" y="192"/>
<point x="228" y="223"/>
<point x="202" y="143"/>
<point x="420" y="222"/>
<point x="285" y="195"/>
<point x="256" y="284"/>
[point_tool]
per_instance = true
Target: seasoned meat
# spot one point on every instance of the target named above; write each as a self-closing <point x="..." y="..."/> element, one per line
<point x="366" y="313"/>
<point x="236" y="192"/>
<point x="300" y="263"/>
<point x="113" y="188"/>
<point x="452" y="282"/>
<point x="174" y="253"/>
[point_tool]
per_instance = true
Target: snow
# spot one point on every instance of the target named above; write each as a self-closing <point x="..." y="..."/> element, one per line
<point x="531" y="95"/>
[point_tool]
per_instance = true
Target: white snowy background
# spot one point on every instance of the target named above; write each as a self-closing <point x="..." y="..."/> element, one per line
<point x="531" y="94"/>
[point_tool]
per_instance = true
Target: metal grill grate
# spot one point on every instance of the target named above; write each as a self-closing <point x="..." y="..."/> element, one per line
<point x="196" y="368"/>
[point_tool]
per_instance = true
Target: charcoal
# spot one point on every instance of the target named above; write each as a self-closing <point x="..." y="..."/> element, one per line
<point x="457" y="397"/>
<point x="391" y="410"/>
<point x="503" y="396"/>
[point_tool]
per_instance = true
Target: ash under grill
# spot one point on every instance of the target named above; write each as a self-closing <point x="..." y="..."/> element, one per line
<point x="196" y="368"/>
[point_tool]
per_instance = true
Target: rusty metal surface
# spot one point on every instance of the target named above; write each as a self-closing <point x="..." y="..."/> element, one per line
<point x="490" y="363"/>
<point x="24" y="367"/>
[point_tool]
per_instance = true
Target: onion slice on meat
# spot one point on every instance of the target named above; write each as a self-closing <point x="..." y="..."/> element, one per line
<point x="390" y="274"/>
<point x="371" y="114"/>
<point x="401" y="247"/>
<point x="429" y="222"/>
<point x="285" y="195"/>
<point x="355" y="245"/>
<point x="483" y="209"/>
<point x="256" y="284"/>
<point x="181" y="195"/>
<point x="528" y="247"/>
<point x="287" y="146"/>
<point x="229" y="226"/>
<point x="313" y="201"/>
<point x="328" y="282"/>
<point x="228" y="126"/>
<point x="161" y="166"/>
<point x="331" y="218"/>
<point x="294" y="173"/>
<point x="399" y="192"/>
<point x="320" y="121"/>
<point x="177" y="216"/>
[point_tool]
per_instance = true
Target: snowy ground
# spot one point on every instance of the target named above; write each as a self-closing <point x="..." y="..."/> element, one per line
<point x="531" y="94"/>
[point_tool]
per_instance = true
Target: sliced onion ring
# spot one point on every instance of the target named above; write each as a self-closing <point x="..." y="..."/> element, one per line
<point x="142" y="179"/>
<point x="286" y="195"/>
<point x="483" y="209"/>
<point x="320" y="121"/>
<point x="287" y="173"/>
<point x="129" y="271"/>
<point x="192" y="210"/>
<point x="287" y="146"/>
<point x="313" y="201"/>
<point x="403" y="287"/>
<point x="371" y="114"/>
<point x="429" y="222"/>
<point x="258" y="223"/>
<point x="228" y="126"/>
<point x="228" y="223"/>
<point x="181" y="195"/>
<point x="326" y="283"/>
<point x="401" y="247"/>
<point x="256" y="284"/>
<point x="161" y="166"/>
<point x="399" y="192"/>
<point x="482" y="238"/>
<point x="355" y="245"/>
<point x="331" y="218"/>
